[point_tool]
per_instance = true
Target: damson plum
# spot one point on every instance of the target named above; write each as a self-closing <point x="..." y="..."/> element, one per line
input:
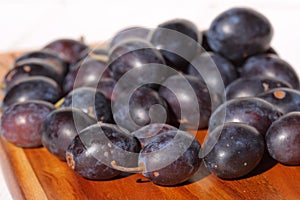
<point x="32" y="88"/>
<point x="146" y="133"/>
<point x="270" y="65"/>
<point x="128" y="33"/>
<point x="253" y="86"/>
<point x="60" y="127"/>
<point x="189" y="100"/>
<point x="21" y="122"/>
<point x="106" y="86"/>
<point x="90" y="101"/>
<point x="91" y="152"/>
<point x="216" y="71"/>
<point x="206" y="46"/>
<point x="89" y="72"/>
<point x="143" y="107"/>
<point x="240" y="32"/>
<point x="233" y="150"/>
<point x="285" y="99"/>
<point x="249" y="110"/>
<point x="283" y="139"/>
<point x="136" y="59"/>
<point x="68" y="49"/>
<point x="177" y="40"/>
<point x="207" y="61"/>
<point x="169" y="158"/>
<point x="50" y="57"/>
<point x="29" y="68"/>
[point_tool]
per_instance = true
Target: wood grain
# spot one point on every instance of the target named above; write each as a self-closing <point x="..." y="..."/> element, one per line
<point x="37" y="174"/>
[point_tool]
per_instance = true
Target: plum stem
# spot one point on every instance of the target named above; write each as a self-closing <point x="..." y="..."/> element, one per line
<point x="82" y="39"/>
<point x="138" y="169"/>
<point x="102" y="58"/>
<point x="59" y="103"/>
<point x="2" y="86"/>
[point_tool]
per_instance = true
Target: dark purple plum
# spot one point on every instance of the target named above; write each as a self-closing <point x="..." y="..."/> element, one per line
<point x="285" y="99"/>
<point x="143" y="107"/>
<point x="138" y="61"/>
<point x="129" y="33"/>
<point x="283" y="139"/>
<point x="177" y="40"/>
<point x="253" y="86"/>
<point x="170" y="158"/>
<point x="28" y="68"/>
<point x="106" y="86"/>
<point x="148" y="132"/>
<point x="90" y="101"/>
<point x="207" y="61"/>
<point x="249" y="110"/>
<point x="189" y="100"/>
<point x="91" y="152"/>
<point x="240" y="32"/>
<point x="61" y="66"/>
<point x="206" y="46"/>
<point x="60" y="127"/>
<point x="32" y="88"/>
<point x="233" y="150"/>
<point x="213" y="68"/>
<point x="68" y="49"/>
<point x="270" y="65"/>
<point x="140" y="104"/>
<point x="21" y="122"/>
<point x="88" y="73"/>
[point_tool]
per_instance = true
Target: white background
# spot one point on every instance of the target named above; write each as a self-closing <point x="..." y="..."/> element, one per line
<point x="28" y="24"/>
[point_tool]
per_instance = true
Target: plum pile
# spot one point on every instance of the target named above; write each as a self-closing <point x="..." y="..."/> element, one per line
<point x="131" y="105"/>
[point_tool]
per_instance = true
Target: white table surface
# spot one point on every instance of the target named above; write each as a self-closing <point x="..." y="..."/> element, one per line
<point x="28" y="24"/>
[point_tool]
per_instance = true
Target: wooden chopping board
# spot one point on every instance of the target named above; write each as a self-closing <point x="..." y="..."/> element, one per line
<point x="37" y="174"/>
